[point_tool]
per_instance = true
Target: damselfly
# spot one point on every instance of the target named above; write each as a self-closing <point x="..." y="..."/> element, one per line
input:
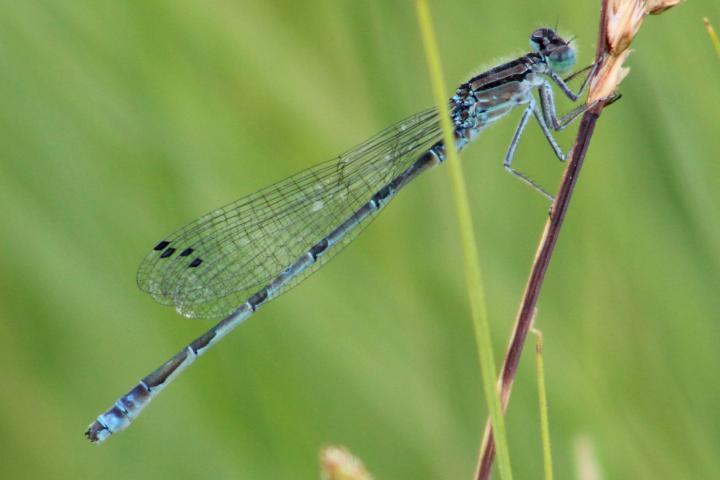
<point x="232" y="260"/>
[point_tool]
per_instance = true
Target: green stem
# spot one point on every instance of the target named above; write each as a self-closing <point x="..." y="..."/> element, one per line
<point x="542" y="398"/>
<point x="713" y="36"/>
<point x="472" y="266"/>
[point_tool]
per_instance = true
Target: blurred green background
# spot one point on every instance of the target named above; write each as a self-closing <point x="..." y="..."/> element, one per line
<point x="121" y="121"/>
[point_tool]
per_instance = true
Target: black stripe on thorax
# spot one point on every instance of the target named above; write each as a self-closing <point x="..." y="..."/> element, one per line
<point x="514" y="71"/>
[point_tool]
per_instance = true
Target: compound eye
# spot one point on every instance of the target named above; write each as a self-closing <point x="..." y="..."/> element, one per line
<point x="561" y="59"/>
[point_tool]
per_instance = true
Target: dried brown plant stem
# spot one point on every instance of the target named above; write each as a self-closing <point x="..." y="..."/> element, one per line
<point x="537" y="275"/>
<point x="619" y="22"/>
<point x="544" y="253"/>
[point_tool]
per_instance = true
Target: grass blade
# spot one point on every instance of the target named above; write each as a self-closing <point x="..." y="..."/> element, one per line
<point x="542" y="399"/>
<point x="473" y="273"/>
<point x="713" y="36"/>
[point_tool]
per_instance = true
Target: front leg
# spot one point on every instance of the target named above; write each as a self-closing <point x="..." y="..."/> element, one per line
<point x="549" y="114"/>
<point x="566" y="88"/>
<point x="547" y="101"/>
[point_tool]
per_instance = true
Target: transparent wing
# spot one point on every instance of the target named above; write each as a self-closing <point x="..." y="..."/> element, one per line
<point x="210" y="266"/>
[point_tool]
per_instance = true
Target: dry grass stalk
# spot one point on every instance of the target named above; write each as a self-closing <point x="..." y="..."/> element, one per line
<point x="619" y="23"/>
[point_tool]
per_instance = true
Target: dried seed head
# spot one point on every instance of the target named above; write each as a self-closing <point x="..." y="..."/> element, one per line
<point x="622" y="21"/>
<point x="656" y="7"/>
<point x="339" y="464"/>
<point x="608" y="77"/>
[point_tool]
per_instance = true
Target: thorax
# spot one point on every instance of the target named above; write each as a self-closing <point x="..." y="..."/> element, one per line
<point x="489" y="96"/>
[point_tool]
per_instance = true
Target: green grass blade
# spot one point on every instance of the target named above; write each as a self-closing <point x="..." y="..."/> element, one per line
<point x="472" y="265"/>
<point x="542" y="399"/>
<point x="713" y="36"/>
